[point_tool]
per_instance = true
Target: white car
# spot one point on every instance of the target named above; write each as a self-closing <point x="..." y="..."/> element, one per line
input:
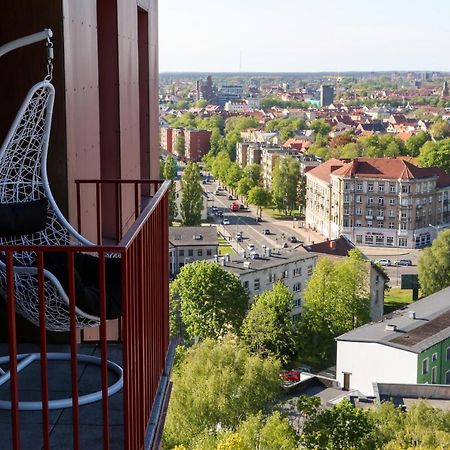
<point x="226" y="221"/>
<point x="251" y="247"/>
<point x="384" y="262"/>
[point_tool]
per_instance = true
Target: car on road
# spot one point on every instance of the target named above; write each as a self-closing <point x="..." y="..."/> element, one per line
<point x="266" y="231"/>
<point x="259" y="219"/>
<point x="226" y="221"/>
<point x="254" y="255"/>
<point x="384" y="262"/>
<point x="403" y="262"/>
<point x="215" y="208"/>
<point x="250" y="247"/>
<point x="242" y="206"/>
<point x="203" y="181"/>
<point x="220" y="213"/>
<point x="293" y="239"/>
<point x="238" y="236"/>
<point x="230" y="197"/>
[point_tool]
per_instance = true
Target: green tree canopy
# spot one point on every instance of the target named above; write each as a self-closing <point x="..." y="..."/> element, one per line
<point x="217" y="383"/>
<point x="233" y="176"/>
<point x="210" y="300"/>
<point x="268" y="328"/>
<point x="436" y="154"/>
<point x="320" y="126"/>
<point x="440" y="129"/>
<point x="415" y="143"/>
<point x="285" y="184"/>
<point x="180" y="143"/>
<point x="244" y="186"/>
<point x="192" y="196"/>
<point x="433" y="266"/>
<point x="253" y="171"/>
<point x="259" y="197"/>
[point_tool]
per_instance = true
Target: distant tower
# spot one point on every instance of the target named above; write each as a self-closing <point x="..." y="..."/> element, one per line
<point x="326" y="95"/>
<point x="338" y="88"/>
<point x="445" y="89"/>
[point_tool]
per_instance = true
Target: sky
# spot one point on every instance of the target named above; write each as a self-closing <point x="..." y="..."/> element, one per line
<point x="303" y="36"/>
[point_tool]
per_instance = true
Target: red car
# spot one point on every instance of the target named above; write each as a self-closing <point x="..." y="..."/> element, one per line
<point x="292" y="376"/>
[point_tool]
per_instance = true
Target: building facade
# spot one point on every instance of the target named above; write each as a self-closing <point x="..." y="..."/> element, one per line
<point x="411" y="346"/>
<point x="378" y="201"/>
<point x="166" y="139"/>
<point x="197" y="143"/>
<point x="326" y="95"/>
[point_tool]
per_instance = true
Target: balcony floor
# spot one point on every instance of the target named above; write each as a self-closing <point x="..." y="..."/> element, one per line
<point x="91" y="430"/>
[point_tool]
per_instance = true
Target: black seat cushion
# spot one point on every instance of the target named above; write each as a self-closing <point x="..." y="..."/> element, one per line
<point x="87" y="291"/>
<point x="23" y="218"/>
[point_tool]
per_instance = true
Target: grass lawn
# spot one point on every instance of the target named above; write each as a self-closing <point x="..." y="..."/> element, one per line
<point x="273" y="212"/>
<point x="225" y="247"/>
<point x="396" y="298"/>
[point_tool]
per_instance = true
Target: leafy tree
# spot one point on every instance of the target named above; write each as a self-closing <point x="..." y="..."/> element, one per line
<point x="216" y="142"/>
<point x="341" y="427"/>
<point x="211" y="300"/>
<point x="335" y="301"/>
<point x="436" y="154"/>
<point x="180" y="143"/>
<point x="278" y="434"/>
<point x="433" y="265"/>
<point x="320" y="126"/>
<point x="253" y="171"/>
<point x="285" y="184"/>
<point x="192" y="196"/>
<point x="268" y="328"/>
<point x="218" y="382"/>
<point x="221" y="165"/>
<point x="169" y="173"/>
<point x="350" y="150"/>
<point x="201" y="103"/>
<point x="259" y="197"/>
<point x="415" y="143"/>
<point x="301" y="197"/>
<point x="286" y="127"/>
<point x="233" y="176"/>
<point x="342" y="139"/>
<point x="440" y="129"/>
<point x="244" y="186"/>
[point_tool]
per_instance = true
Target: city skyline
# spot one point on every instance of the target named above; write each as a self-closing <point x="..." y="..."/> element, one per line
<point x="302" y="36"/>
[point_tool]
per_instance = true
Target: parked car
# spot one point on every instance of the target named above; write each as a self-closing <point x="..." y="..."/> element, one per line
<point x="220" y="213"/>
<point x="293" y="239"/>
<point x="241" y="206"/>
<point x="238" y="236"/>
<point x="291" y="376"/>
<point x="403" y="262"/>
<point x="251" y="247"/>
<point x="254" y="255"/>
<point x="259" y="219"/>
<point x="215" y="208"/>
<point x="266" y="231"/>
<point x="230" y="197"/>
<point x="384" y="262"/>
<point x="226" y="221"/>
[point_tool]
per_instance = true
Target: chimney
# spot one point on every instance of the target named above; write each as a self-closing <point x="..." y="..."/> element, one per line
<point x="390" y="327"/>
<point x="412" y="315"/>
<point x="332" y="245"/>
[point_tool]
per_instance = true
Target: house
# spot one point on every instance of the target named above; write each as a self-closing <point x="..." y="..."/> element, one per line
<point x="258" y="273"/>
<point x="409" y="346"/>
<point x="189" y="244"/>
<point x="377" y="279"/>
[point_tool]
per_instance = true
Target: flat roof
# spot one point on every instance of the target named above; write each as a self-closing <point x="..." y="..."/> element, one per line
<point x="430" y="326"/>
<point x="193" y="236"/>
<point x="277" y="258"/>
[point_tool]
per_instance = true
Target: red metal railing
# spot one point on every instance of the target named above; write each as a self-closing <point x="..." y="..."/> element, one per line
<point x="144" y="333"/>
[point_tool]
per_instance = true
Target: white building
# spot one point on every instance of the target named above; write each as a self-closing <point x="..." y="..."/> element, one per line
<point x="409" y="346"/>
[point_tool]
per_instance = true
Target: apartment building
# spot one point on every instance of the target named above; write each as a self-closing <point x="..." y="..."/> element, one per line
<point x="241" y="153"/>
<point x="197" y="143"/>
<point x="259" y="275"/>
<point x="378" y="201"/>
<point x="166" y="139"/>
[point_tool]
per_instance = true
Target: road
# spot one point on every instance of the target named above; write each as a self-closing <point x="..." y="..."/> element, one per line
<point x="245" y="222"/>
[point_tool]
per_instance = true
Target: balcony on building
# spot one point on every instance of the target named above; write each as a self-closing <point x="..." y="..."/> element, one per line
<point x="103" y="169"/>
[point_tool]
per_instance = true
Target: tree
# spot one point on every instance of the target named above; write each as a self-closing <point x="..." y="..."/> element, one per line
<point x="170" y="173"/>
<point x="216" y="142"/>
<point x="268" y="329"/>
<point x="320" y="126"/>
<point x="218" y="382"/>
<point x="433" y="265"/>
<point x="244" y="186"/>
<point x="253" y="171"/>
<point x="211" y="300"/>
<point x="192" y="196"/>
<point x="335" y="301"/>
<point x="233" y="176"/>
<point x="415" y="143"/>
<point x="341" y="427"/>
<point x="285" y="184"/>
<point x="180" y="145"/>
<point x="440" y="129"/>
<point x="436" y="154"/>
<point x="259" y="197"/>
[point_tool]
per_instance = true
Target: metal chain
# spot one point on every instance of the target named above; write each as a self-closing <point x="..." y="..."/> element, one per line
<point x="49" y="60"/>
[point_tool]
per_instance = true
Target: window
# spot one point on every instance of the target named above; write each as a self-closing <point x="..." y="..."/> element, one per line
<point x="369" y="224"/>
<point x="425" y="366"/>
<point x="208" y="252"/>
<point x="391" y="213"/>
<point x="379" y="240"/>
<point x="370" y="200"/>
<point x="403" y="215"/>
<point x="447" y="377"/>
<point x="392" y="201"/>
<point x="381" y="187"/>
<point x="391" y="225"/>
<point x="200" y="252"/>
<point x="447" y="356"/>
<point x="256" y="285"/>
<point x="433" y="375"/>
<point x="297" y="287"/>
<point x="298" y="272"/>
<point x="346" y="198"/>
<point x="346" y="211"/>
<point x="191" y="252"/>
<point x="181" y="252"/>
<point x="380" y="224"/>
<point x="358" y="199"/>
<point x="389" y="240"/>
<point x="369" y="239"/>
<point x="285" y="274"/>
<point x="380" y="213"/>
<point x="392" y="188"/>
<point x="347" y="186"/>
<point x="358" y="236"/>
<point x="297" y="302"/>
<point x="381" y="200"/>
<point x="310" y="270"/>
<point x="370" y="187"/>
<point x="272" y="277"/>
<point x="245" y="285"/>
<point x="405" y="189"/>
<point x="403" y="226"/>
<point x="358" y="211"/>
<point x="377" y="279"/>
<point x="358" y="223"/>
<point x="434" y="357"/>
<point x="359" y="186"/>
<point x="403" y="242"/>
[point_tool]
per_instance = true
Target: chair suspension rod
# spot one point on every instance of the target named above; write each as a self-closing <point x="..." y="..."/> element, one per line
<point x="26" y="40"/>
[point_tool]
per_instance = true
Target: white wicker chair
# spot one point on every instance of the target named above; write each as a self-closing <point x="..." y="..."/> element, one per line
<point x="23" y="178"/>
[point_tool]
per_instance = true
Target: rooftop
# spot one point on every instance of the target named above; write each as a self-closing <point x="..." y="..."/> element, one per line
<point x="429" y="325"/>
<point x="193" y="236"/>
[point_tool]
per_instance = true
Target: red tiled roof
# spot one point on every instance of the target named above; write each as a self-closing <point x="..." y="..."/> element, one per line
<point x="324" y="171"/>
<point x="336" y="247"/>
